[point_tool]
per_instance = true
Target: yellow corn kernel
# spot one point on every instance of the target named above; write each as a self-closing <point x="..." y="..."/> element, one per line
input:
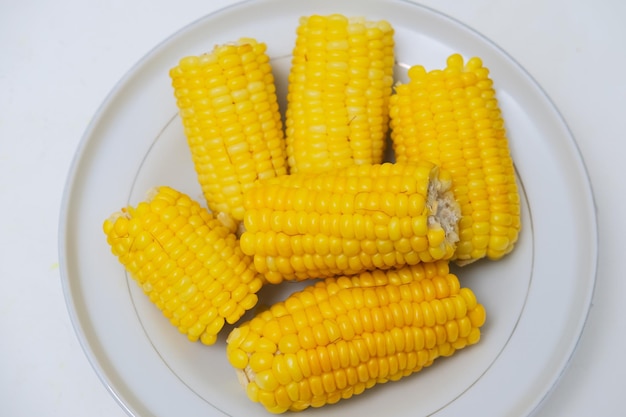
<point x="344" y="222"/>
<point x="184" y="259"/>
<point x="338" y="94"/>
<point x="396" y="331"/>
<point x="451" y="117"/>
<point x="229" y="109"/>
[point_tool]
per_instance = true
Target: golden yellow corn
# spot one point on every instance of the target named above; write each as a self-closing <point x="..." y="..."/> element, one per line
<point x="360" y="217"/>
<point x="186" y="261"/>
<point x="229" y="109"/>
<point x="339" y="88"/>
<point x="341" y="336"/>
<point x="451" y="117"/>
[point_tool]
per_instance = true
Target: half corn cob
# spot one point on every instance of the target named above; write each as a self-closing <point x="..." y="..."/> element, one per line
<point x="228" y="105"/>
<point x="186" y="261"/>
<point x="339" y="88"/>
<point x="357" y="218"/>
<point x="452" y="118"/>
<point x="343" y="335"/>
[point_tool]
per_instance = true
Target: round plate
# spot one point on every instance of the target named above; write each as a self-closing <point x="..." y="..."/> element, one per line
<point x="537" y="298"/>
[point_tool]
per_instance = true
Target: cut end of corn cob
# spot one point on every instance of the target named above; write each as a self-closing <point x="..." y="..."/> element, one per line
<point x="341" y="336"/>
<point x="361" y="217"/>
<point x="186" y="261"/>
<point x="229" y="109"/>
<point x="452" y="117"/>
<point x="339" y="87"/>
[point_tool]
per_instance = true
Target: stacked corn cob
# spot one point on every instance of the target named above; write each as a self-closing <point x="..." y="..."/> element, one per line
<point x="361" y="217"/>
<point x="186" y="261"/>
<point x="343" y="335"/>
<point x="379" y="234"/>
<point x="339" y="88"/>
<point x="229" y="109"/>
<point x="451" y="117"/>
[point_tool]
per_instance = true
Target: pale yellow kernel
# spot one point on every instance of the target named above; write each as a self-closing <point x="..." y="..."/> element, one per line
<point x="215" y="326"/>
<point x="272" y="331"/>
<point x="289" y="344"/>
<point x="477" y="315"/>
<point x="499" y="243"/>
<point x="436" y="236"/>
<point x="266" y="380"/>
<point x="419" y="244"/>
<point x="420" y="226"/>
<point x="281" y="372"/>
<point x="263" y="344"/>
<point x="238" y="358"/>
<point x="481" y="227"/>
<point x="474" y="336"/>
<point x="384" y="247"/>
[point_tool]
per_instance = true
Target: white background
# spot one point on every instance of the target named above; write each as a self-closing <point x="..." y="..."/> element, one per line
<point x="60" y="59"/>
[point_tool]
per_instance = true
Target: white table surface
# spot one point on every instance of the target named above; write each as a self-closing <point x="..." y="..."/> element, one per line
<point x="61" y="58"/>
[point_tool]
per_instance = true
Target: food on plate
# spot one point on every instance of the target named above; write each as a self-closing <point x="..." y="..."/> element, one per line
<point x="338" y="93"/>
<point x="337" y="338"/>
<point x="229" y="109"/>
<point x="186" y="261"/>
<point x="344" y="221"/>
<point x="452" y="118"/>
<point x="313" y="200"/>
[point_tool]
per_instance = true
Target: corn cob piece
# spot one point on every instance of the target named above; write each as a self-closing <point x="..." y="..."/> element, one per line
<point x="451" y="117"/>
<point x="186" y="261"/>
<point x="357" y="218"/>
<point x="229" y="109"/>
<point x="343" y="335"/>
<point x="339" y="88"/>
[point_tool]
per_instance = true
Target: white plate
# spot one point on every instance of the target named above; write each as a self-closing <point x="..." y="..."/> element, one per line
<point x="537" y="298"/>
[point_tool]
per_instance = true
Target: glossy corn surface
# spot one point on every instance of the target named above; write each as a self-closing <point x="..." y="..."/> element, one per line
<point x="341" y="336"/>
<point x="339" y="88"/>
<point x="186" y="261"/>
<point x="361" y="217"/>
<point x="452" y="117"/>
<point x="229" y="109"/>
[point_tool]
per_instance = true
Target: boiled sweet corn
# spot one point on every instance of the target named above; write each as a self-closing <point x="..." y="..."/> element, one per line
<point x="361" y="217"/>
<point x="343" y="335"/>
<point x="228" y="105"/>
<point x="186" y="261"/>
<point x="339" y="88"/>
<point x="451" y="117"/>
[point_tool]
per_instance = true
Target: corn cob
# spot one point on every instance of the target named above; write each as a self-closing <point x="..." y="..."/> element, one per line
<point x="361" y="217"/>
<point x="339" y="88"/>
<point x="451" y="117"/>
<point x="229" y="109"/>
<point x="186" y="261"/>
<point x="343" y="335"/>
